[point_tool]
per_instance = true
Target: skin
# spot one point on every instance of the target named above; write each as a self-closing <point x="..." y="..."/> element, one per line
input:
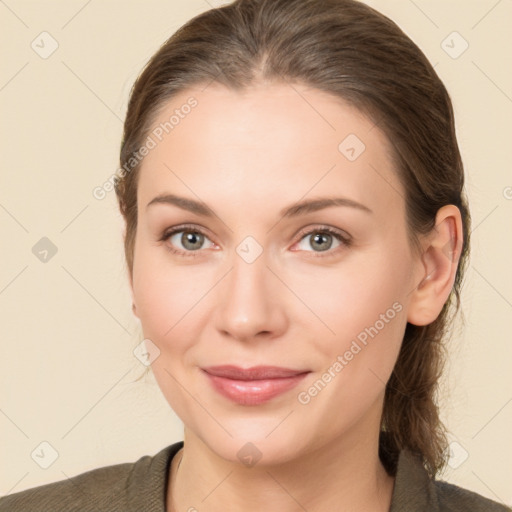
<point x="247" y="155"/>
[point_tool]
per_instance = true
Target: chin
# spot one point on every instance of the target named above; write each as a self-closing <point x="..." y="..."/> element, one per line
<point x="251" y="445"/>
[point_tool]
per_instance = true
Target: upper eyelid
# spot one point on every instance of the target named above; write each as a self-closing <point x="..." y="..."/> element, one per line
<point x="178" y="229"/>
<point x="344" y="237"/>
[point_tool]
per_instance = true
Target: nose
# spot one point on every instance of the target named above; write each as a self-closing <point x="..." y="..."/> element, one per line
<point x="251" y="301"/>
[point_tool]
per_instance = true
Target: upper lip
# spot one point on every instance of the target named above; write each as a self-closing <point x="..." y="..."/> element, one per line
<point x="253" y="373"/>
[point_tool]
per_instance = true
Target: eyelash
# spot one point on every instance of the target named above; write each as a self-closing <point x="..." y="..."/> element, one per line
<point x="346" y="241"/>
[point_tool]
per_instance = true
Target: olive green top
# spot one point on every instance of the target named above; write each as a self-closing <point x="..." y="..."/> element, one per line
<point x="141" y="486"/>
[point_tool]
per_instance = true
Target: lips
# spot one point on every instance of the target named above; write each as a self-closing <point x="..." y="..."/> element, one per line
<point x="254" y="373"/>
<point x="253" y="386"/>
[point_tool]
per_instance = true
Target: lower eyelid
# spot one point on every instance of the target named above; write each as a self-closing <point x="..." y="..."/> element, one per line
<point x="343" y="240"/>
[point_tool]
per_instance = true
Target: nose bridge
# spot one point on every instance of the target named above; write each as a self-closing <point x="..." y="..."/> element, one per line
<point x="249" y="270"/>
<point x="248" y="299"/>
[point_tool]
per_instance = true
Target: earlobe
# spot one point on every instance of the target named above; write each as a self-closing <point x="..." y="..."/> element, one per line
<point x="134" y="307"/>
<point x="439" y="263"/>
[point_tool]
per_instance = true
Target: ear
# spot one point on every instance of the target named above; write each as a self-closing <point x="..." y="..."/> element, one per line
<point x="130" y="280"/>
<point x="438" y="267"/>
<point x="134" y="306"/>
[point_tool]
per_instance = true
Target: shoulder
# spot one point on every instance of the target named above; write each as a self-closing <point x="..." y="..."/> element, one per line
<point x="453" y="498"/>
<point x="86" y="491"/>
<point x="110" y="488"/>
<point x="415" y="491"/>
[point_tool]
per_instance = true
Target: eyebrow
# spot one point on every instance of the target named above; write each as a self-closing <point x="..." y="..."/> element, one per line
<point x="301" y="208"/>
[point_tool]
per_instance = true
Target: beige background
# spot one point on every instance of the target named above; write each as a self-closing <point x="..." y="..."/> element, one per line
<point x="67" y="367"/>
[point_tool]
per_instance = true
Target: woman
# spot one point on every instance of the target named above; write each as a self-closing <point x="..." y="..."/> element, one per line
<point x="296" y="236"/>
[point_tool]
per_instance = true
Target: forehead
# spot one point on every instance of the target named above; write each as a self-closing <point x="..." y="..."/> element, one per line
<point x="271" y="142"/>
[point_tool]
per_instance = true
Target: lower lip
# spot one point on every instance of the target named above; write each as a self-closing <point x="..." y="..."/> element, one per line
<point x="253" y="392"/>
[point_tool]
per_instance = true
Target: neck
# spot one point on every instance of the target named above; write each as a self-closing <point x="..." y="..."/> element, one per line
<point x="346" y="474"/>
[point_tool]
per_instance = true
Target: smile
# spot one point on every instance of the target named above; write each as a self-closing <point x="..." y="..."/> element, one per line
<point x="253" y="386"/>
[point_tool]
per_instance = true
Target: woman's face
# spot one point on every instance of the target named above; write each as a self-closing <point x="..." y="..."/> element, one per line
<point x="257" y="281"/>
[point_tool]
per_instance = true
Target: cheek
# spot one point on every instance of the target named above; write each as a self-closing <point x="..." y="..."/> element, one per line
<point x="353" y="296"/>
<point x="168" y="305"/>
<point x="368" y="313"/>
<point x="165" y="295"/>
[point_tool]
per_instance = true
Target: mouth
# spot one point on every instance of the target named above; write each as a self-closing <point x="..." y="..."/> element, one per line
<point x="253" y="386"/>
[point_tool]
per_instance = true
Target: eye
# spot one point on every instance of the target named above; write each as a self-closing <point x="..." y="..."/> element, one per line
<point x="321" y="240"/>
<point x="190" y="238"/>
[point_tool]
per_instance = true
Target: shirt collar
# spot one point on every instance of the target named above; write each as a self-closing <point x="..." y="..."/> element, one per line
<point x="413" y="490"/>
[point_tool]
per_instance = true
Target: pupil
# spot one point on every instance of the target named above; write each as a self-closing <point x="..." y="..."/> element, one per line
<point x="190" y="238"/>
<point x="318" y="239"/>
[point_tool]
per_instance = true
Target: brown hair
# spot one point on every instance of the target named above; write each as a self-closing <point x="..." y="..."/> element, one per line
<point x="348" y="49"/>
